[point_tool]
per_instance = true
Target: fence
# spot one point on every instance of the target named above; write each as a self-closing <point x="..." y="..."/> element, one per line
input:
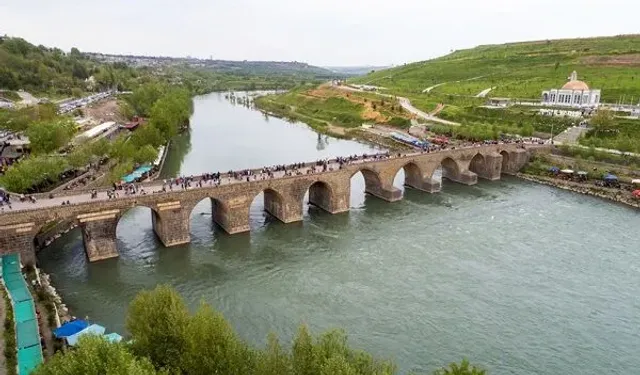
<point x="28" y="335"/>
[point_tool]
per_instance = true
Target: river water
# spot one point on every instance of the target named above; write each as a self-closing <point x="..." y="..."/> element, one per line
<point x="519" y="278"/>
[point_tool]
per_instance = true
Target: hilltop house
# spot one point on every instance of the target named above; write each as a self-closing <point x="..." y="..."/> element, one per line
<point x="574" y="93"/>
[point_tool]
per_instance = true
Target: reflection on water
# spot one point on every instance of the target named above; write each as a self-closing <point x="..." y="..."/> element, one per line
<point x="520" y="278"/>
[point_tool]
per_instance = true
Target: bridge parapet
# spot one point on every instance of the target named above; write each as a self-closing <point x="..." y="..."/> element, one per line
<point x="231" y="202"/>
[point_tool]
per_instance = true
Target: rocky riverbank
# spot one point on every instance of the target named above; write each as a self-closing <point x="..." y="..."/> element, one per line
<point x="616" y="195"/>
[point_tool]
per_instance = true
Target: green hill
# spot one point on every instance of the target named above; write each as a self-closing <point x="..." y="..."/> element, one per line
<point x="522" y="70"/>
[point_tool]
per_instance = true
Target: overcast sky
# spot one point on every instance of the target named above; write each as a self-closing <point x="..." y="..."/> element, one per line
<point x="320" y="32"/>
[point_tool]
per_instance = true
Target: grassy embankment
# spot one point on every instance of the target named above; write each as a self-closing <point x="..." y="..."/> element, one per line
<point x="336" y="112"/>
<point x="520" y="71"/>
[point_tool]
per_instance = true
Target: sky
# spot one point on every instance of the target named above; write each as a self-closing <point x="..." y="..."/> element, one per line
<point x="319" y="32"/>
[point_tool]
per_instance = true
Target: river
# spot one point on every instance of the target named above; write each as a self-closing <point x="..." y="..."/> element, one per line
<point x="519" y="278"/>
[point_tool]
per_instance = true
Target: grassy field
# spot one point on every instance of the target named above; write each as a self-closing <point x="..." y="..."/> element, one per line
<point x="330" y="106"/>
<point x="514" y="70"/>
<point x="523" y="70"/>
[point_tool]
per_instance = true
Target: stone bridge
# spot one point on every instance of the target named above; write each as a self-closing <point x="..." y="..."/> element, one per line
<point x="231" y="201"/>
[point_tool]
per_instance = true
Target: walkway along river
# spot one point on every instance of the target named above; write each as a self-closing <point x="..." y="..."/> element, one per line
<point x="518" y="277"/>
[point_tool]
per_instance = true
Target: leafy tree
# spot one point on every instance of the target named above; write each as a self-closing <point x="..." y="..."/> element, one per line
<point x="33" y="171"/>
<point x="49" y="136"/>
<point x="212" y="346"/>
<point x="464" y="368"/>
<point x="602" y="121"/>
<point x="158" y="322"/>
<point x="96" y="356"/>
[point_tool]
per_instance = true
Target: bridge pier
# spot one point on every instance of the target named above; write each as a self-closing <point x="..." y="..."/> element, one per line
<point x="281" y="208"/>
<point x="487" y="167"/>
<point x="99" y="234"/>
<point x="232" y="217"/>
<point x="513" y="161"/>
<point x="332" y="202"/>
<point x="429" y="185"/>
<point x="464" y="177"/>
<point x="19" y="238"/>
<point x="171" y="223"/>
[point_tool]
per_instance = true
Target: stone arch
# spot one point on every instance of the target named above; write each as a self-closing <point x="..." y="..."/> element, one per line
<point x="218" y="208"/>
<point x="477" y="164"/>
<point x="413" y="175"/>
<point x="275" y="203"/>
<point x="372" y="180"/>
<point x="505" y="161"/>
<point x="450" y="169"/>
<point x="321" y="195"/>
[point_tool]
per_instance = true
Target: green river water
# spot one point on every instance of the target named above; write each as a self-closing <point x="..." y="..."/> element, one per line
<point x="519" y="278"/>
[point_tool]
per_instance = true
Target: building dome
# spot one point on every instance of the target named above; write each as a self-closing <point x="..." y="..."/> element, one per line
<point x="575" y="85"/>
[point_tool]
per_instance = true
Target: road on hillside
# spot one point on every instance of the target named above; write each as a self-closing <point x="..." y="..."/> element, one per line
<point x="405" y="103"/>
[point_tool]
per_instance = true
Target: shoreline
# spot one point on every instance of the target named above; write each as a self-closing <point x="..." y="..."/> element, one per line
<point x="574" y="187"/>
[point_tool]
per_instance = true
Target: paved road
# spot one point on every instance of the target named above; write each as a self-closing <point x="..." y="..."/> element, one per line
<point x="156" y="186"/>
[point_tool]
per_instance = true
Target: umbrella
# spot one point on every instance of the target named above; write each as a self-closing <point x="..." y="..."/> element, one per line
<point x="113" y="337"/>
<point x="610" y="177"/>
<point x="554" y="169"/>
<point x="70" y="328"/>
<point x="582" y="173"/>
<point x="636" y="181"/>
<point x="636" y="193"/>
<point x="567" y="171"/>
<point x="94" y="329"/>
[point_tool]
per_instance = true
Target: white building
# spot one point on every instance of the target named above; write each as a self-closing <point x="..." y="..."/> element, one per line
<point x="574" y="93"/>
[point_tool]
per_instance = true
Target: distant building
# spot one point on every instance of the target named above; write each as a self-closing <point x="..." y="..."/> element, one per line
<point x="574" y="93"/>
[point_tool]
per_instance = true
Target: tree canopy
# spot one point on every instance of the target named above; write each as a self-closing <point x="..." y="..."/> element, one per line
<point x="168" y="339"/>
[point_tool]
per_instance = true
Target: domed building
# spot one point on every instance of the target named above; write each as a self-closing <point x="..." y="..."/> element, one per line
<point x="574" y="93"/>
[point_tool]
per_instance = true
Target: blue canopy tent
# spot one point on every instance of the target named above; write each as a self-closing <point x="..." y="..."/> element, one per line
<point x="70" y="328"/>
<point x="610" y="177"/>
<point x="554" y="169"/>
<point x="113" y="337"/>
<point x="94" y="329"/>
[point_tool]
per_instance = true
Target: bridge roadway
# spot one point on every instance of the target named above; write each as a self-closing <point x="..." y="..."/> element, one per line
<point x="231" y="199"/>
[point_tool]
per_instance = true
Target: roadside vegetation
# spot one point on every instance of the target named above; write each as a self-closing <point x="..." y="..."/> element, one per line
<point x="167" y="339"/>
<point x="9" y="337"/>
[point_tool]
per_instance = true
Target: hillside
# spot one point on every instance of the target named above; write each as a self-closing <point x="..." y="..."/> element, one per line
<point x="266" y="68"/>
<point x="522" y="70"/>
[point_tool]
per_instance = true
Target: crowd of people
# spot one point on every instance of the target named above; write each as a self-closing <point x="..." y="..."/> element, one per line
<point x="265" y="173"/>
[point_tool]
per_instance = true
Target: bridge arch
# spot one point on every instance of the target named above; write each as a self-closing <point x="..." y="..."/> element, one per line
<point x="208" y="211"/>
<point x="273" y="202"/>
<point x="413" y="174"/>
<point x="372" y="178"/>
<point x="478" y="164"/>
<point x="450" y="169"/>
<point x="505" y="161"/>
<point x="321" y="195"/>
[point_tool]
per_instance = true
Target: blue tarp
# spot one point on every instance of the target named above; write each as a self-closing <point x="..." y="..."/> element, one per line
<point x="94" y="329"/>
<point x="136" y="174"/>
<point x="70" y="328"/>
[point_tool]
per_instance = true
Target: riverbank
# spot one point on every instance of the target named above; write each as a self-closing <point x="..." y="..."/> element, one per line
<point x="615" y="195"/>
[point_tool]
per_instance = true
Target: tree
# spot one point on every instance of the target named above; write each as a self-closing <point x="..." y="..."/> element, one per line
<point x="33" y="171"/>
<point x="602" y="121"/>
<point x="212" y="346"/>
<point x="464" y="368"/>
<point x="96" y="356"/>
<point x="49" y="136"/>
<point x="158" y="321"/>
